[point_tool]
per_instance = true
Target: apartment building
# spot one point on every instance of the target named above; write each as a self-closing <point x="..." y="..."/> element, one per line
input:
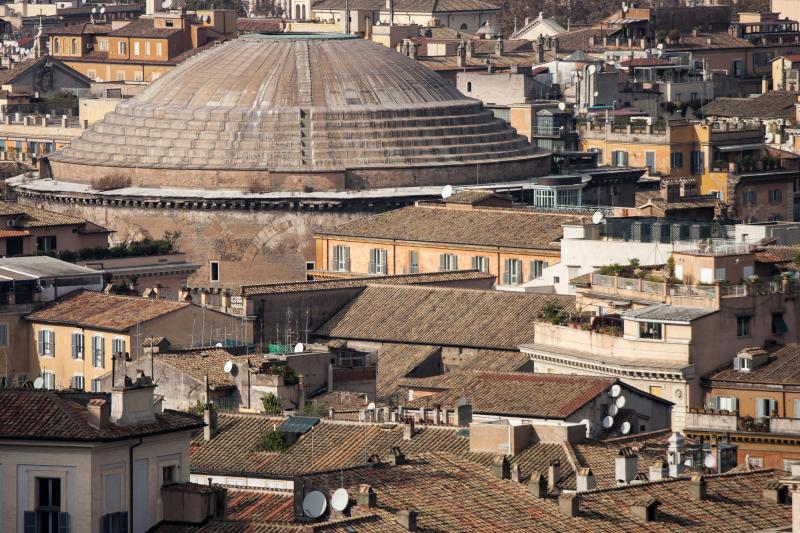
<point x="75" y="339"/>
<point x="92" y="463"/>
<point x="514" y="245"/>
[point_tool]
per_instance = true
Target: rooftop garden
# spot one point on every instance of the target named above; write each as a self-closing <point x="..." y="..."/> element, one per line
<point x="145" y="247"/>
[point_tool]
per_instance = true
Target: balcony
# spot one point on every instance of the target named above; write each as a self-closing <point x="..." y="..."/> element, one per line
<point x="655" y="291"/>
<point x="624" y="133"/>
<point x="722" y="421"/>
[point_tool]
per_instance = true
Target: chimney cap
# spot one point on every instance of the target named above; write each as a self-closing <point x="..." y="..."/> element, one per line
<point x="585" y="472"/>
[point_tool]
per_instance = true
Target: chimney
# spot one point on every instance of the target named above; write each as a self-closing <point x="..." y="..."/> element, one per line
<point x="774" y="492"/>
<point x="407" y="519"/>
<point x="658" y="470"/>
<point x="697" y="487"/>
<point x="585" y="480"/>
<point x="540" y="50"/>
<point x="537" y="485"/>
<point x="210" y="418"/>
<point x="625" y="466"/>
<point x="299" y="494"/>
<point x="569" y="504"/>
<point x="675" y="454"/>
<point x="498" y="47"/>
<point x="553" y="475"/>
<point x="396" y="457"/>
<point x="463" y="412"/>
<point x="516" y="475"/>
<point x="366" y="497"/>
<point x="412" y="50"/>
<point x="645" y="509"/>
<point x="408" y="430"/>
<point x="132" y="403"/>
<point x="99" y="413"/>
<point x="461" y="55"/>
<point x="470" y="48"/>
<point x="501" y="469"/>
<point x="764" y="85"/>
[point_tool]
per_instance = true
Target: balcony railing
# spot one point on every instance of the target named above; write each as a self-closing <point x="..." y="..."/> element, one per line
<point x="654" y="288"/>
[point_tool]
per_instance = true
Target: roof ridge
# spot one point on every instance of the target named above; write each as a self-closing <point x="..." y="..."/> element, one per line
<point x="680" y="478"/>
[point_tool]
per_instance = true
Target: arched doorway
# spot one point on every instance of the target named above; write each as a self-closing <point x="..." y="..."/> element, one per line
<point x="304" y="12"/>
<point x="297" y="12"/>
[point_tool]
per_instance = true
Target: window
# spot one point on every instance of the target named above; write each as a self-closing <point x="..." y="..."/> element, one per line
<point x="73" y="47"/>
<point x="723" y="403"/>
<point x="56" y="45"/>
<point x="49" y="379"/>
<point x="795" y="408"/>
<point x="544" y="197"/>
<point x="480" y="262"/>
<point x="741" y="364"/>
<point x="47" y="342"/>
<point x="46" y="244"/>
<point x="693" y="97"/>
<point x="147" y="48"/>
<point x="138" y="76"/>
<point x="214" y="267"/>
<point x="651" y="330"/>
<point x="619" y="158"/>
<point x="158" y="50"/>
<point x="413" y="261"/>
<point x="697" y="162"/>
<point x="169" y="23"/>
<point x="3" y="334"/>
<point x="778" y="324"/>
<point x="463" y="26"/>
<point x="120" y="75"/>
<point x="77" y="382"/>
<point x="91" y="74"/>
<point x="117" y="346"/>
<point x="121" y="48"/>
<point x="47" y="516"/>
<point x="657" y="390"/>
<point x="114" y="522"/>
<point x="568" y="197"/>
<point x="650" y="161"/>
<point x="766" y="407"/>
<point x="736" y="67"/>
<point x="743" y="326"/>
<point x="775" y="196"/>
<point x="774" y="218"/>
<point x="469" y="86"/>
<point x="377" y="261"/>
<point x="341" y="258"/>
<point x="676" y="160"/>
<point x="98" y="351"/>
<point x="448" y="262"/>
<point x="103" y="44"/>
<point x="136" y="48"/>
<point x="512" y="273"/>
<point x="97" y="385"/>
<point x="537" y="268"/>
<point x="77" y="346"/>
<point x="168" y="474"/>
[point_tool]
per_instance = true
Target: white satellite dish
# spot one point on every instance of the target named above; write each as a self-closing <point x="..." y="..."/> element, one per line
<point x="562" y="106"/>
<point x="596" y="94"/>
<point x="314" y="504"/>
<point x="340" y="500"/>
<point x="616" y="389"/>
<point x="608" y="421"/>
<point x="660" y="46"/>
<point x="597" y="218"/>
<point x="299" y="348"/>
<point x="621" y="402"/>
<point x="613" y="410"/>
<point x="659" y="52"/>
<point x="710" y="461"/>
<point x="769" y="137"/>
<point x="371" y="405"/>
<point x="447" y="191"/>
<point x="626" y="428"/>
<point x="102" y="10"/>
<point x="592" y="70"/>
<point x="218" y="345"/>
<point x="38" y="383"/>
<point x="94" y="10"/>
<point x="228" y="367"/>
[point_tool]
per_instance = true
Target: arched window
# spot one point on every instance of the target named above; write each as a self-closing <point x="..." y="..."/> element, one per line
<point x="304" y="12"/>
<point x="74" y="47"/>
<point x="55" y="45"/>
<point x="463" y="27"/>
<point x="297" y="12"/>
<point x="469" y="86"/>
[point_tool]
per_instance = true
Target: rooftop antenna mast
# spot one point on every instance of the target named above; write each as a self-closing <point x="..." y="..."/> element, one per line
<point x="347" y="17"/>
<point x="391" y="12"/>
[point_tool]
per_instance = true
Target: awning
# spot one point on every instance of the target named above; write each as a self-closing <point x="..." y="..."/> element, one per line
<point x="739" y="147"/>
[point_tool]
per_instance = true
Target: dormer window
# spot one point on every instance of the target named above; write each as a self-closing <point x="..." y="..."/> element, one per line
<point x="742" y="364"/>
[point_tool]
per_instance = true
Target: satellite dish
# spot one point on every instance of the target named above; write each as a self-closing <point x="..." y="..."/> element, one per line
<point x="562" y="106"/>
<point x="340" y="500"/>
<point x="592" y="70"/>
<point x="613" y="410"/>
<point x="769" y="137"/>
<point x="626" y="428"/>
<point x="371" y="405"/>
<point x="299" y="348"/>
<point x="94" y="10"/>
<point x="608" y="421"/>
<point x="597" y="218"/>
<point x="710" y="461"/>
<point x="228" y="367"/>
<point x="596" y="94"/>
<point x="102" y="10"/>
<point x="447" y="191"/>
<point x="625" y="8"/>
<point x="660" y="46"/>
<point x="621" y="402"/>
<point x="218" y="345"/>
<point x="314" y="504"/>
<point x="659" y="52"/>
<point x="38" y="383"/>
<point x="616" y="389"/>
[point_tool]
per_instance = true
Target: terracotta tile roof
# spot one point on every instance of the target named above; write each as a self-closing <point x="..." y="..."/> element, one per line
<point x="341" y="400"/>
<point x="39" y="218"/>
<point x="410" y="6"/>
<point x="8" y="75"/>
<point x="777" y="254"/>
<point x="441" y="316"/>
<point x="202" y="362"/>
<point x="781" y="368"/>
<point x="13" y="233"/>
<point x="774" y="104"/>
<point x="512" y="228"/>
<point x="512" y="393"/>
<point x="104" y="311"/>
<point x="473" y="196"/>
<point x="44" y="414"/>
<point x="691" y="202"/>
<point x="646" y="62"/>
<point x="144" y="27"/>
<point x="247" y="25"/>
<point x="396" y="361"/>
<point x="83" y="28"/>
<point x="334" y="284"/>
<point x="495" y="360"/>
<point x="259" y="506"/>
<point x="10" y="209"/>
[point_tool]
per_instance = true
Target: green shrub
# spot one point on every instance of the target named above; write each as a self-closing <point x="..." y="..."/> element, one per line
<point x="271" y="404"/>
<point x="272" y="441"/>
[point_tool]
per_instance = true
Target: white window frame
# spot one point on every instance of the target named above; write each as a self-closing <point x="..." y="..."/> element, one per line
<point x="116" y="343"/>
<point x="378" y="259"/>
<point x="480" y="263"/>
<point x="49" y="378"/>
<point x="512" y="272"/>
<point x="76" y="384"/>
<point x="122" y="48"/>
<point x="136" y="48"/>
<point x="98" y="351"/>
<point x="47" y="343"/>
<point x="147" y="48"/>
<point x="78" y="348"/>
<point x="158" y="49"/>
<point x="448" y="262"/>
<point x="340" y="258"/>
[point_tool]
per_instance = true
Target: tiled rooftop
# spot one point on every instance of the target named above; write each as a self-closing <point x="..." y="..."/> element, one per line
<point x="37" y="218"/>
<point x="104" y="311"/>
<point x="202" y="362"/>
<point x="441" y="316"/>
<point x="43" y="415"/>
<point x="509" y="228"/>
<point x="395" y="361"/>
<point x="781" y="368"/>
<point x="668" y="313"/>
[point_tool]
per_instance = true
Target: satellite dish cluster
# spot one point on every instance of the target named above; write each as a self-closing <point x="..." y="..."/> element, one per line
<point x="316" y="503"/>
<point x="618" y="402"/>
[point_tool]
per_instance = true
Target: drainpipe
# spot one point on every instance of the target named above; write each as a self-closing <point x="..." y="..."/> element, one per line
<point x="130" y="484"/>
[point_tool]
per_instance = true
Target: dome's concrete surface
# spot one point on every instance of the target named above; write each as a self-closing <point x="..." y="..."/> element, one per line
<point x="299" y="112"/>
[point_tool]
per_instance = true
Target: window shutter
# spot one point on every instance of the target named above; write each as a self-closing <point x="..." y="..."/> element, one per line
<point x="31" y="522"/>
<point x="105" y="524"/>
<point x="123" y="522"/>
<point x="372" y="259"/>
<point x="335" y="263"/>
<point x="74" y="346"/>
<point x="454" y="265"/>
<point x="346" y="251"/>
<point x="442" y="262"/>
<point x="475" y="263"/>
<point x="41" y="342"/>
<point x="507" y="272"/>
<point x="773" y="407"/>
<point x="736" y="363"/>
<point x="759" y="407"/>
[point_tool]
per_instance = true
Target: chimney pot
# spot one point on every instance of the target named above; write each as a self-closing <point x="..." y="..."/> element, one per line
<point x="366" y="497"/>
<point x="408" y="430"/>
<point x="625" y="466"/>
<point x="585" y="480"/>
<point x="569" y="504"/>
<point x="658" y="470"/>
<point x="464" y="412"/>
<point x="537" y="485"/>
<point x="697" y="487"/>
<point x="396" y="457"/>
<point x="407" y="519"/>
<point x="516" y="475"/>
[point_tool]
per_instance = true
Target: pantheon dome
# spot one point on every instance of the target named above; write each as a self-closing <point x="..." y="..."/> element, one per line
<point x="291" y="112"/>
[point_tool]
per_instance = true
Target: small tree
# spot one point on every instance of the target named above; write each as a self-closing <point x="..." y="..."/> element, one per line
<point x="271" y="404"/>
<point x="272" y="441"/>
<point x="674" y="36"/>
